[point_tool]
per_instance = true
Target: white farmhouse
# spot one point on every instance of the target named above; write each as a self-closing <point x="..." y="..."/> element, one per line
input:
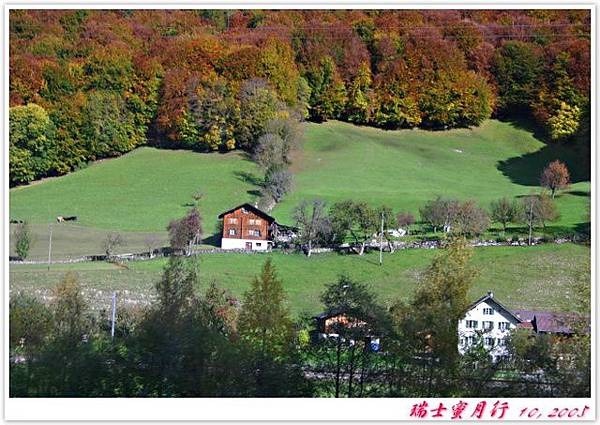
<point x="490" y="320"/>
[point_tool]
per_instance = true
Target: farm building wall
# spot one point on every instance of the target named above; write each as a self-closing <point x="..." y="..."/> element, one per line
<point x="255" y="245"/>
<point x="492" y="323"/>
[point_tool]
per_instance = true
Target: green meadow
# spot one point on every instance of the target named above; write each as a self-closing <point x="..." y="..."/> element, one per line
<point x="539" y="277"/>
<point x="143" y="190"/>
<point x="139" y="193"/>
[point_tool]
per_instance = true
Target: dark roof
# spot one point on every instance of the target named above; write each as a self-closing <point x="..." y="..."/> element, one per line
<point x="489" y="297"/>
<point x="525" y="325"/>
<point x="550" y="322"/>
<point x="251" y="208"/>
<point x="332" y="312"/>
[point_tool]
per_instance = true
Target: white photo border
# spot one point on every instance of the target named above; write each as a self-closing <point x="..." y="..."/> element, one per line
<point x="280" y="409"/>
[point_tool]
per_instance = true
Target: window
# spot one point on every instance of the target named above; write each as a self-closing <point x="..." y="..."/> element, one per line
<point x="462" y="341"/>
<point x="233" y="221"/>
<point x="253" y="232"/>
<point x="488" y="341"/>
<point x="488" y="311"/>
<point x="470" y="340"/>
<point x="487" y="325"/>
<point x="258" y="244"/>
<point x="501" y="342"/>
<point x="472" y="324"/>
<point x="257" y="221"/>
<point x="231" y="232"/>
<point x="503" y="326"/>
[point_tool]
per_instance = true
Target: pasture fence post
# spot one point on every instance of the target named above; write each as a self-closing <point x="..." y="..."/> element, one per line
<point x="114" y="315"/>
<point x="49" y="245"/>
<point x="381" y="242"/>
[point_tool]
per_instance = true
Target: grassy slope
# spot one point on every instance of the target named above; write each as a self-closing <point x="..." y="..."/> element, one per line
<point x="144" y="189"/>
<point x="539" y="277"/>
<point x="140" y="191"/>
<point x="406" y="168"/>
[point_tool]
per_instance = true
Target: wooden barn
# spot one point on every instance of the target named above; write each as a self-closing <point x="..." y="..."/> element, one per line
<point x="247" y="227"/>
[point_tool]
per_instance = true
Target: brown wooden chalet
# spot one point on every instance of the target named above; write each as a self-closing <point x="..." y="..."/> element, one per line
<point x="248" y="228"/>
<point x="331" y="322"/>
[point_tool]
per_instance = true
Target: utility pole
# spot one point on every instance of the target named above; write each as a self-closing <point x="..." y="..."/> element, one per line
<point x="114" y="315"/>
<point x="381" y="242"/>
<point x="531" y="201"/>
<point x="49" y="245"/>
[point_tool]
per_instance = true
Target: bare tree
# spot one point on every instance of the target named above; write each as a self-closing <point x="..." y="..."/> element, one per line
<point x="313" y="223"/>
<point x="268" y="151"/>
<point x="538" y="210"/>
<point x="405" y="220"/>
<point x="150" y="243"/>
<point x="278" y="182"/>
<point x="111" y="242"/>
<point x="470" y="220"/>
<point x="439" y="212"/>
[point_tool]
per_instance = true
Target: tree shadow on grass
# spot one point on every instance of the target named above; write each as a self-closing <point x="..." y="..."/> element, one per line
<point x="583" y="193"/>
<point x="213" y="240"/>
<point x="252" y="179"/>
<point x="249" y="178"/>
<point x="526" y="169"/>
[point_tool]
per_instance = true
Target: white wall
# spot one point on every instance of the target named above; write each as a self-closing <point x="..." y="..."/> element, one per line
<point x="257" y="245"/>
<point x="476" y="313"/>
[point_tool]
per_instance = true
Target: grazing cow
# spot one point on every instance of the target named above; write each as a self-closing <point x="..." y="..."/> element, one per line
<point x="16" y="221"/>
<point x="62" y="219"/>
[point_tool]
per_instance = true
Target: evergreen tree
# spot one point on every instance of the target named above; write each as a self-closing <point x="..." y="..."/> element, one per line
<point x="264" y="320"/>
<point x="266" y="329"/>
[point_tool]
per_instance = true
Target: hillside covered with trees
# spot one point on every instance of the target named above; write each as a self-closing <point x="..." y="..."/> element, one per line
<point x="86" y="85"/>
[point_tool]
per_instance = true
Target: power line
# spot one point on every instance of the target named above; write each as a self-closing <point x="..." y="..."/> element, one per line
<point x="348" y="28"/>
<point x="415" y="36"/>
<point x="487" y="31"/>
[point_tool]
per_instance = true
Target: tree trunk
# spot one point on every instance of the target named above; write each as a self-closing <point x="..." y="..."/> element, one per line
<point x="309" y="248"/>
<point x="362" y="248"/>
<point x="351" y="377"/>
<point x="391" y="246"/>
<point x="338" y="366"/>
<point x="362" y="372"/>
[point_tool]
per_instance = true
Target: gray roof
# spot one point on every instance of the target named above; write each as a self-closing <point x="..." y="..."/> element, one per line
<point x="489" y="298"/>
<point x="552" y="322"/>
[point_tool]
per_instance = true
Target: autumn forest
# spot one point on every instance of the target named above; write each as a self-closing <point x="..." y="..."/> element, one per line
<point x="86" y="85"/>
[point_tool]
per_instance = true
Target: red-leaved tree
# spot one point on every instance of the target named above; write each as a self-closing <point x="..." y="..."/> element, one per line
<point x="555" y="177"/>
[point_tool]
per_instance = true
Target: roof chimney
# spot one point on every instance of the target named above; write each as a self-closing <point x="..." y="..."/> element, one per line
<point x="490" y="294"/>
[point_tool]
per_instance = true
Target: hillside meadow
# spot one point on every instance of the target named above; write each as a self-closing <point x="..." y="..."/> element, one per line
<point x="539" y="277"/>
<point x="143" y="190"/>
<point x="139" y="193"/>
